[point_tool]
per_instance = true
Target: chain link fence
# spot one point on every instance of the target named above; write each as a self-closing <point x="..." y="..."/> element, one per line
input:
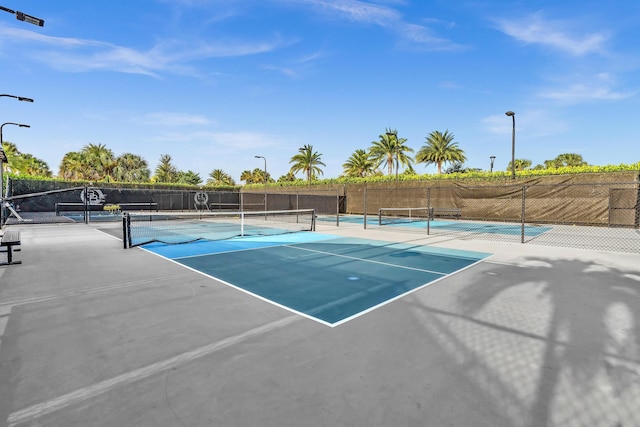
<point x="602" y="216"/>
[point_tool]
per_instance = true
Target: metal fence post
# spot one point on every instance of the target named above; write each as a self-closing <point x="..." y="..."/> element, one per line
<point x="428" y="211"/>
<point x="524" y="191"/>
<point x="365" y="207"/>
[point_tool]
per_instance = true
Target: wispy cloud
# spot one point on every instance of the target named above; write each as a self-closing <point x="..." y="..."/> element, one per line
<point x="582" y="92"/>
<point x="74" y="54"/>
<point x="380" y="15"/>
<point x="557" y="34"/>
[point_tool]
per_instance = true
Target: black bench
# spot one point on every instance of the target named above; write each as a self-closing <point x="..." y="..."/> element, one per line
<point x="10" y="238"/>
<point x="445" y="212"/>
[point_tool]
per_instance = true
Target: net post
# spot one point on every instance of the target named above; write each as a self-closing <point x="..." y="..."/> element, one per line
<point x="313" y="220"/>
<point x="242" y="223"/>
<point x="125" y="231"/>
<point x="379" y="216"/>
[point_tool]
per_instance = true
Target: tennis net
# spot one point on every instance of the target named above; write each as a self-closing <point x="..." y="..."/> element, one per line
<point x="184" y="227"/>
<point x="390" y="216"/>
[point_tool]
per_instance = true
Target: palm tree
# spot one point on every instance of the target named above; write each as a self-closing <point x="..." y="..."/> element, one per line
<point x="188" y="177"/>
<point x="440" y="148"/>
<point x="165" y="171"/>
<point x="360" y="164"/>
<point x="247" y="177"/>
<point x="131" y="168"/>
<point x="73" y="166"/>
<point x="34" y="166"/>
<point x="220" y="177"/>
<point x="307" y="161"/>
<point x="14" y="157"/>
<point x="100" y="161"/>
<point x="566" y="159"/>
<point x="520" y="164"/>
<point x="390" y="147"/>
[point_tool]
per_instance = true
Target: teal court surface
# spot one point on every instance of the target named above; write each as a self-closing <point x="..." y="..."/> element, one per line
<point x="444" y="225"/>
<point x="327" y="278"/>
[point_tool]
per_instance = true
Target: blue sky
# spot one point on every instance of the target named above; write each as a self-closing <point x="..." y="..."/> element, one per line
<point x="214" y="83"/>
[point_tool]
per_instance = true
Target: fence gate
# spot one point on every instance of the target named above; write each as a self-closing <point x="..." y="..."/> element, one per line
<point x="623" y="207"/>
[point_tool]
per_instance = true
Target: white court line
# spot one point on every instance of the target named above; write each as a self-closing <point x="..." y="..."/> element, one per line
<point x="29" y="414"/>
<point x="372" y="262"/>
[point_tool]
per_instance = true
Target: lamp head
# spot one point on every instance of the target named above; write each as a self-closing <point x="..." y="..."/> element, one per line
<point x="510" y="113"/>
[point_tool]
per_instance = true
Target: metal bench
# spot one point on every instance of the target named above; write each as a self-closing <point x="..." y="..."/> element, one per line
<point x="10" y="238"/>
<point x="445" y="212"/>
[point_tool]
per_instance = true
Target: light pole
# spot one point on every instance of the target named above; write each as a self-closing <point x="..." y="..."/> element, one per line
<point x="19" y="98"/>
<point x="3" y="159"/>
<point x="21" y="16"/>
<point x="492" y="158"/>
<point x="265" y="179"/>
<point x="513" y="144"/>
<point x="395" y="134"/>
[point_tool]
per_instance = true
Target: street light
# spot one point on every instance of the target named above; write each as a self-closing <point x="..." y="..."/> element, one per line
<point x="3" y="159"/>
<point x="395" y="134"/>
<point x="19" y="98"/>
<point x="265" y="179"/>
<point x="513" y="144"/>
<point x="21" y="16"/>
<point x="492" y="158"/>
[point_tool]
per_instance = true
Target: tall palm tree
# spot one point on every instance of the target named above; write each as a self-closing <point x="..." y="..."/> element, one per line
<point x="360" y="164"/>
<point x="131" y="168"/>
<point x="307" y="161"/>
<point x="440" y="148"/>
<point x="390" y="147"/>
<point x="220" y="177"/>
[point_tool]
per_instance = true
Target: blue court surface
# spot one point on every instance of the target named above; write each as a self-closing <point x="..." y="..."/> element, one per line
<point x="326" y="278"/>
<point x="511" y="229"/>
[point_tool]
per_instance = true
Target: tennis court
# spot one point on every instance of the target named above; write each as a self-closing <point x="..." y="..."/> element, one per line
<point x="326" y="278"/>
<point x="343" y="326"/>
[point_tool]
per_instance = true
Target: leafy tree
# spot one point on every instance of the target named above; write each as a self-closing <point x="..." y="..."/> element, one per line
<point x="131" y="168"/>
<point x="165" y="171"/>
<point x="308" y="162"/>
<point x="360" y="164"/>
<point x="220" y="177"/>
<point x="440" y="148"/>
<point x="390" y="147"/>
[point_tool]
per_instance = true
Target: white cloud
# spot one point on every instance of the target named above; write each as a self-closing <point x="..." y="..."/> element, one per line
<point x="535" y="29"/>
<point x="583" y="89"/>
<point x="383" y="16"/>
<point x="73" y="54"/>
